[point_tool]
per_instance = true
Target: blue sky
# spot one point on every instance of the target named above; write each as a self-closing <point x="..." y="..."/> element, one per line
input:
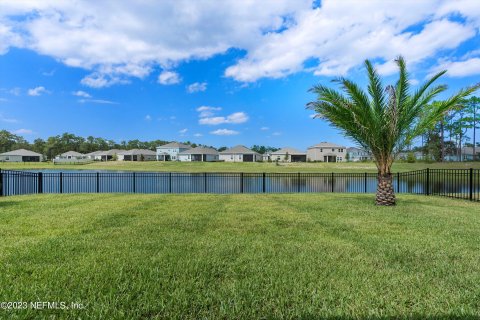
<point x="216" y="73"/>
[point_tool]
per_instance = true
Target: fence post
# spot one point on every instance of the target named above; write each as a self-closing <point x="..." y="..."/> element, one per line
<point x="205" y="182"/>
<point x="365" y="182"/>
<point x="1" y="183"/>
<point x="471" y="184"/>
<point x="169" y="182"/>
<point x="40" y="183"/>
<point x="428" y="182"/>
<point x="298" y="182"/>
<point x="98" y="182"/>
<point x="398" y="182"/>
<point x="133" y="182"/>
<point x="241" y="182"/>
<point x="332" y="181"/>
<point x="61" y="182"/>
<point x="263" y="182"/>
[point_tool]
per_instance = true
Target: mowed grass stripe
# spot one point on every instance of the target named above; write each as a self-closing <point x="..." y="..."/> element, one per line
<point x="241" y="256"/>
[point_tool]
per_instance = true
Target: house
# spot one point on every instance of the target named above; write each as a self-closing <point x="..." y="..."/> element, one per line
<point x="357" y="154"/>
<point x="91" y="155"/>
<point x="21" y="155"/>
<point x="239" y="154"/>
<point x="137" y="155"/>
<point x="327" y="152"/>
<point x="288" y="154"/>
<point x="199" y="154"/>
<point x="170" y="151"/>
<point x="467" y="155"/>
<point x="107" y="155"/>
<point x="418" y="155"/>
<point x="71" y="155"/>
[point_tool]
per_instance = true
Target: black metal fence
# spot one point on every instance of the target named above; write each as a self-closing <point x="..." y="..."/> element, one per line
<point x="454" y="183"/>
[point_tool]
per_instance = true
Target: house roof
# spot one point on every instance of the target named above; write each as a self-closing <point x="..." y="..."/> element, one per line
<point x="21" y="152"/>
<point x="137" y="152"/>
<point x="326" y="145"/>
<point x="109" y="152"/>
<point x="71" y="154"/>
<point x="93" y="153"/>
<point x="200" y="150"/>
<point x="289" y="150"/>
<point x="238" y="150"/>
<point x="175" y="145"/>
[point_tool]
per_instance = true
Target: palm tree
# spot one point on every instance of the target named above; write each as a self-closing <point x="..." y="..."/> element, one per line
<point x="386" y="119"/>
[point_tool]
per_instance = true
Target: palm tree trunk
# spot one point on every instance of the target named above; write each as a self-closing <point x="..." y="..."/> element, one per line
<point x="442" y="142"/>
<point x="385" y="193"/>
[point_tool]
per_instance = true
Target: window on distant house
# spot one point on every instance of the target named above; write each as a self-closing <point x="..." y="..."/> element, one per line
<point x="321" y="150"/>
<point x="333" y="150"/>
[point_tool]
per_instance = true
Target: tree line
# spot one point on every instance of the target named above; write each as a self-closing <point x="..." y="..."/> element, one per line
<point x="456" y="130"/>
<point x="59" y="144"/>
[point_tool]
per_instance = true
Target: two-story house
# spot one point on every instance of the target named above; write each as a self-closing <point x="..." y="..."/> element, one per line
<point x="170" y="151"/>
<point x="327" y="152"/>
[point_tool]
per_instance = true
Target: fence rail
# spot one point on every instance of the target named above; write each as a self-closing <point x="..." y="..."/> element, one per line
<point x="453" y="183"/>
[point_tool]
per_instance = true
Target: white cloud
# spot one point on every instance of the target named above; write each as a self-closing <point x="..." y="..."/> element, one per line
<point x="224" y="132"/>
<point x="198" y="135"/>
<point x="7" y="120"/>
<point x="183" y="131"/>
<point x="414" y="82"/>
<point x="463" y="68"/>
<point x="206" y="111"/>
<point x="15" y="91"/>
<point x="197" y="87"/>
<point x="23" y="131"/>
<point x="276" y="134"/>
<point x="100" y="80"/>
<point x="148" y="117"/>
<point x="85" y="34"/>
<point x="264" y="128"/>
<point x="82" y="94"/>
<point x="169" y="77"/>
<point x="98" y="101"/>
<point x="234" y="118"/>
<point x="38" y="91"/>
<point x="116" y="42"/>
<point x="48" y="73"/>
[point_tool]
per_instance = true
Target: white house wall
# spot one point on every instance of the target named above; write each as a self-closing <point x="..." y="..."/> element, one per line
<point x="11" y="158"/>
<point x="314" y="154"/>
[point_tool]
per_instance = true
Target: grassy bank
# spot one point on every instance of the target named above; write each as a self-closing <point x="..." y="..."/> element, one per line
<point x="240" y="256"/>
<point x="240" y="167"/>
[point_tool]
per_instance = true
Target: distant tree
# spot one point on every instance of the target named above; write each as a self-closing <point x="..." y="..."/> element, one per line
<point x="222" y="149"/>
<point x="472" y="106"/>
<point x="264" y="149"/>
<point x="10" y="141"/>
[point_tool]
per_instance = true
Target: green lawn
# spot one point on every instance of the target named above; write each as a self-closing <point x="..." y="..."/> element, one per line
<point x="240" y="167"/>
<point x="240" y="256"/>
